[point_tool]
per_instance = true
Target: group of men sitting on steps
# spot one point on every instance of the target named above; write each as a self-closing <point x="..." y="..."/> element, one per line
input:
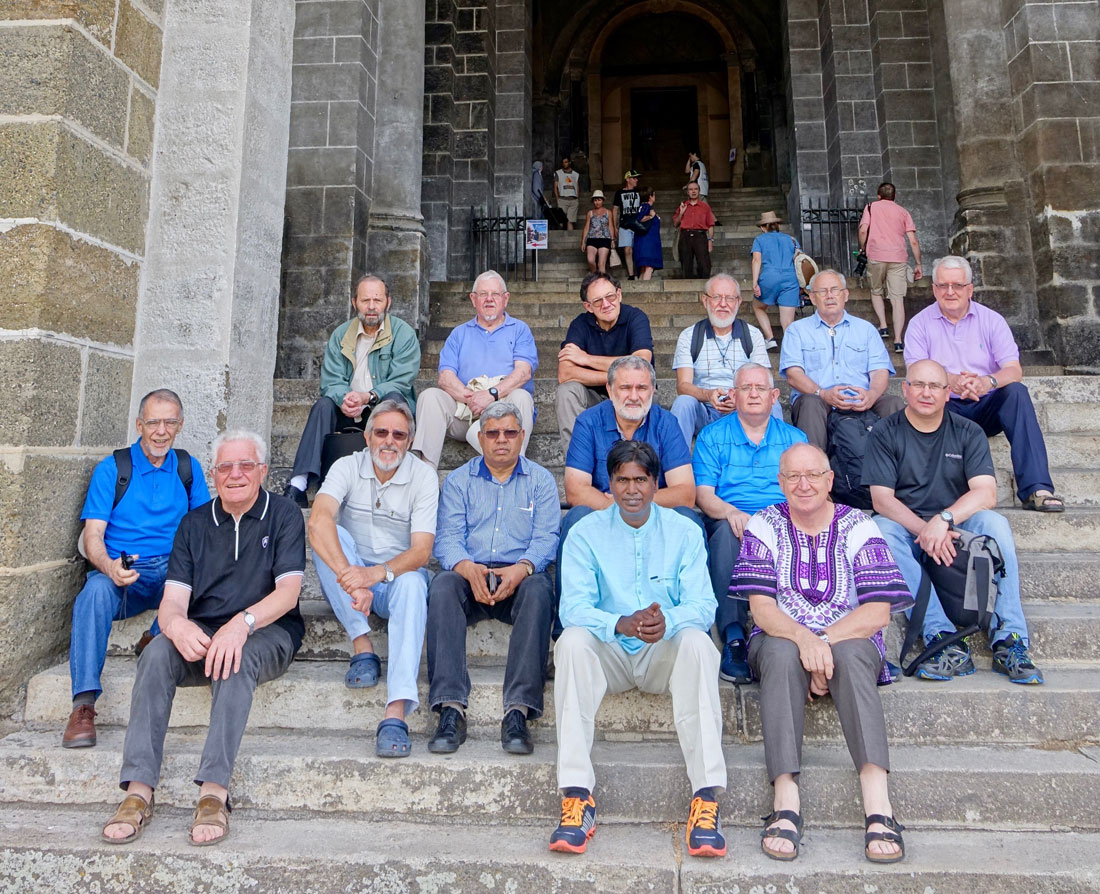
<point x="641" y="575"/>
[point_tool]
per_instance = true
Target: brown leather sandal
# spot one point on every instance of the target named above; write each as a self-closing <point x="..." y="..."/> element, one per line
<point x="134" y="811"/>
<point x="210" y="811"/>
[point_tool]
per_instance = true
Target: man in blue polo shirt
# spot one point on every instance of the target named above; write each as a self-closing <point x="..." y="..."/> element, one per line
<point x="142" y="525"/>
<point x="736" y="467"/>
<point x="606" y="331"/>
<point x="491" y="357"/>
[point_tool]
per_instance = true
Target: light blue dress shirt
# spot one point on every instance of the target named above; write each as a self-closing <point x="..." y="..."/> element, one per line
<point x="844" y="355"/>
<point x="609" y="570"/>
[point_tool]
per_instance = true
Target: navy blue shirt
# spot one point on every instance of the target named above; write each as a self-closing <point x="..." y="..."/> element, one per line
<point x="629" y="334"/>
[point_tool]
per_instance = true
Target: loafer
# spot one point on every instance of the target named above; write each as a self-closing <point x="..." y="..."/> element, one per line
<point x="450" y="733"/>
<point x="514" y="736"/>
<point x="80" y="730"/>
<point x="298" y="496"/>
<point x="735" y="663"/>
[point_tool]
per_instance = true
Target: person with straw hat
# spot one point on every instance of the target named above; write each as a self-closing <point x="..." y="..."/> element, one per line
<point x="773" y="276"/>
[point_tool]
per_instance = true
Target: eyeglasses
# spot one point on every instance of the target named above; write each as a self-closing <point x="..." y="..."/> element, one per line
<point x="723" y="299"/>
<point x="812" y="477"/>
<point x="395" y="433"/>
<point x="951" y="286"/>
<point x="753" y="389"/>
<point x="609" y="298"/>
<point x="157" y="423"/>
<point x="245" y="465"/>
<point x="834" y="291"/>
<point x="495" y="434"/>
<point x="926" y="386"/>
<point x="496" y="296"/>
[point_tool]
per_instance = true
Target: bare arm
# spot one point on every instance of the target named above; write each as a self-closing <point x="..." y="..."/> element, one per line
<point x="449" y="382"/>
<point x="568" y="371"/>
<point x="880" y="378"/>
<point x="679" y="489"/>
<point x="685" y="384"/>
<point x="323" y="539"/>
<point x="860" y="623"/>
<point x="517" y="378"/>
<point x="96" y="551"/>
<point x="864" y="231"/>
<point x="580" y="492"/>
<point x="757" y="264"/>
<point x="915" y="248"/>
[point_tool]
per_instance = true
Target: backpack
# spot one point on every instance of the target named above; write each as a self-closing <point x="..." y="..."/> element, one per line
<point x="967" y="589"/>
<point x="847" y="439"/>
<point x="703" y="330"/>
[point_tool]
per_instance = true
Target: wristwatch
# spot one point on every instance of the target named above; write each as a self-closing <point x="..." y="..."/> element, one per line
<point x="372" y="398"/>
<point x="389" y="573"/>
<point x="528" y="564"/>
<point x="824" y="637"/>
<point x="494" y="394"/>
<point x="250" y="620"/>
<point x="948" y="517"/>
<point x="993" y="381"/>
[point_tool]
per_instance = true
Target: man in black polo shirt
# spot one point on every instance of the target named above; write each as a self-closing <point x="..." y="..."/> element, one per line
<point x="595" y="339"/>
<point x="230" y="618"/>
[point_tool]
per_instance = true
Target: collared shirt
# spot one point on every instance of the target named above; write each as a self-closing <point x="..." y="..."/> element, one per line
<point x="596" y="432"/>
<point x="490" y="521"/>
<point x="228" y="565"/>
<point x="743" y="474"/>
<point x="887" y="224"/>
<point x="610" y="569"/>
<point x="981" y="342"/>
<point x="361" y="379"/>
<point x="846" y="354"/>
<point x="145" y="519"/>
<point x="382" y="516"/>
<point x="630" y="333"/>
<point x="471" y="350"/>
<point x="697" y="217"/>
<point x="719" y="358"/>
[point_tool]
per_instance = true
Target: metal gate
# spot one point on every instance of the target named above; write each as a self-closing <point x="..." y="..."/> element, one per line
<point x="497" y="243"/>
<point x="831" y="235"/>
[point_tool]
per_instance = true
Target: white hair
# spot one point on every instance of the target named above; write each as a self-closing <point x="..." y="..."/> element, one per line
<point x="749" y="367"/>
<point x="953" y="262"/>
<point x="499" y="409"/>
<point x="240" y="434"/>
<point x="830" y="272"/>
<point x="487" y="275"/>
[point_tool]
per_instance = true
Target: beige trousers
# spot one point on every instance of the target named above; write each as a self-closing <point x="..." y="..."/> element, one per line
<point x="892" y="276"/>
<point x="570" y="400"/>
<point x="435" y="420"/>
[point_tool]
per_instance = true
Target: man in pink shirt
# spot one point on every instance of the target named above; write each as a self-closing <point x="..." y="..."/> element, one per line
<point x="883" y="232"/>
<point x="975" y="345"/>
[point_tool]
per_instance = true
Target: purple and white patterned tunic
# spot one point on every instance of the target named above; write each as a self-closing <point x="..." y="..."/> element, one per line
<point x="817" y="580"/>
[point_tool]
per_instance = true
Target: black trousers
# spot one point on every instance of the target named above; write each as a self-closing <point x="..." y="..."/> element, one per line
<point x="694" y="255"/>
<point x="324" y="419"/>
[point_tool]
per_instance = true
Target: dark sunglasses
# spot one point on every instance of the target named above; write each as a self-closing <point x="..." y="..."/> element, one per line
<point x="497" y="433"/>
<point x="384" y="433"/>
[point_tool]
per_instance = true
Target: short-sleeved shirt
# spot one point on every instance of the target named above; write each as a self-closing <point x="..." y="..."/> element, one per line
<point x="719" y="357"/>
<point x="471" y="351"/>
<point x="743" y="474"/>
<point x="889" y="223"/>
<point x="382" y="516"/>
<point x="630" y="333"/>
<point x="846" y="354"/>
<point x="927" y="471"/>
<point x="628" y="201"/>
<point x="981" y="342"/>
<point x="144" y="521"/>
<point x="228" y="565"/>
<point x="697" y="216"/>
<point x="596" y="432"/>
<point x="776" y="251"/>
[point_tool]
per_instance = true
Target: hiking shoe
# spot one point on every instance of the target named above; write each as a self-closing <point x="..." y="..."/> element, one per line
<point x="1011" y="659"/>
<point x="735" y="663"/>
<point x="578" y="824"/>
<point x="704" y="829"/>
<point x="953" y="661"/>
<point x="771" y="345"/>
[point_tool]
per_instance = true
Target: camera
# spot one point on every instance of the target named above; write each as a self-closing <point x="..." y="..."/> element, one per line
<point x="127" y="560"/>
<point x="861" y="264"/>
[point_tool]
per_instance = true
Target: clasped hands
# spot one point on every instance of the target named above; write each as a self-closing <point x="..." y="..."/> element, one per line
<point x="222" y="651"/>
<point x="477" y="575"/>
<point x="835" y="397"/>
<point x="817" y="658"/>
<point x="971" y="386"/>
<point x="646" y="624"/>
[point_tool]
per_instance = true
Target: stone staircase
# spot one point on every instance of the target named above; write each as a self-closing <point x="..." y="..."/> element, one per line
<point x="997" y="784"/>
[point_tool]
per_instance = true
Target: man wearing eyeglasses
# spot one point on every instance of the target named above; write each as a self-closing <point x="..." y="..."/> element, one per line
<point x="606" y="331"/>
<point x="834" y="362"/>
<point x="975" y="345"/>
<point x="498" y="530"/>
<point x="140" y="526"/>
<point x="371" y="529"/>
<point x="491" y="357"/>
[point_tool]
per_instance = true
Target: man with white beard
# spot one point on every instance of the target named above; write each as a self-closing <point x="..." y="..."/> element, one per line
<point x="372" y="529"/>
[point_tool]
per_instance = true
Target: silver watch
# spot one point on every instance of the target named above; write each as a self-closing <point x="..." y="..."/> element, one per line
<point x="824" y="637"/>
<point x="389" y="573"/>
<point x="250" y="620"/>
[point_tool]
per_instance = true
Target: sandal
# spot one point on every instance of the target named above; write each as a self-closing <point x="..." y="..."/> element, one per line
<point x="134" y="811"/>
<point x="210" y="811"/>
<point x="1044" y="501"/>
<point x="392" y="738"/>
<point x="894" y="835"/>
<point x="772" y="831"/>
<point x="364" y="670"/>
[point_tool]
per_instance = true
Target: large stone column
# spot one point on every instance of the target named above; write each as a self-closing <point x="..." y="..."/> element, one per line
<point x="397" y="247"/>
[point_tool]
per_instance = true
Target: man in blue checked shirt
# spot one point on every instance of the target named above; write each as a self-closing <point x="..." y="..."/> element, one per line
<point x="497" y="531"/>
<point x="637" y="604"/>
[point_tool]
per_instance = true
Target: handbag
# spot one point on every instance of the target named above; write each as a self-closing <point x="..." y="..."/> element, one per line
<point x="635" y="225"/>
<point x="339" y="444"/>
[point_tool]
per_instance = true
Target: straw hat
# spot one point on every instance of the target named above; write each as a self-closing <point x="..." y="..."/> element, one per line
<point x="768" y="217"/>
<point x="597" y="193"/>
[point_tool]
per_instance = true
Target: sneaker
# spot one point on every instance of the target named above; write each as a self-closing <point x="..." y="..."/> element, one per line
<point x="771" y="345"/>
<point x="1011" y="659"/>
<point x="735" y="663"/>
<point x="298" y="496"/>
<point x="884" y="331"/>
<point x="704" y="829"/>
<point x="899" y="347"/>
<point x="952" y="661"/>
<point x="578" y="824"/>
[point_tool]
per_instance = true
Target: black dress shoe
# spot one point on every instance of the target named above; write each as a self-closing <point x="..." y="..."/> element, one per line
<point x="450" y="733"/>
<point x="514" y="737"/>
<point x="298" y="496"/>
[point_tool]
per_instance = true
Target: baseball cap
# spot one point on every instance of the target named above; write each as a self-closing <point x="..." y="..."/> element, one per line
<point x="633" y="174"/>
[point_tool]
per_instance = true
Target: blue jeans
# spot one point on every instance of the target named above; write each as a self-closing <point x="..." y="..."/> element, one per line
<point x="100" y="602"/>
<point x="1008" y="617"/>
<point x="693" y="414"/>
<point x="404" y="603"/>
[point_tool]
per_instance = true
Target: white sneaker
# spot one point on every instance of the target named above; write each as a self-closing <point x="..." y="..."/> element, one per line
<point x="771" y="345"/>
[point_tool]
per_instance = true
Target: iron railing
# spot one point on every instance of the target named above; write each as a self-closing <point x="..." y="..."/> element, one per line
<point x="830" y="235"/>
<point x="497" y="243"/>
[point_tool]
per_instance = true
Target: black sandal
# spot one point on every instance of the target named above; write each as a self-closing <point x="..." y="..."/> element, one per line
<point x="894" y="835"/>
<point x="794" y="837"/>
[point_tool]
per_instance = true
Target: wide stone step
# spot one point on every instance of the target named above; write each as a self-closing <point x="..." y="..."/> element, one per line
<point x="1079" y="487"/>
<point x="340" y="774"/>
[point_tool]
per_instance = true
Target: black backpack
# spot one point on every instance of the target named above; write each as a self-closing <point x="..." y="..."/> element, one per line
<point x="847" y="437"/>
<point x="124" y="465"/>
<point x="703" y="330"/>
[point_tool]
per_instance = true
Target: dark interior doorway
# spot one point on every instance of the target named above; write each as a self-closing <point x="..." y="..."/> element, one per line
<point x="664" y="124"/>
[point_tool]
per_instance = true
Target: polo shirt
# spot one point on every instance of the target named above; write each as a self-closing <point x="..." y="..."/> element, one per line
<point x="719" y="357"/>
<point x="981" y="342"/>
<point x="844" y="355"/>
<point x="697" y="217"/>
<point x="596" y="432"/>
<point x="630" y="333"/>
<point x="471" y="350"/>
<point x="887" y="223"/>
<point x="144" y="521"/>
<point x="228" y="565"/>
<point x="743" y="474"/>
<point x="382" y="516"/>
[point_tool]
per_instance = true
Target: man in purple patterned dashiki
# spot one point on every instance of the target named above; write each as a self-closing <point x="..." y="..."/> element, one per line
<point x="821" y="584"/>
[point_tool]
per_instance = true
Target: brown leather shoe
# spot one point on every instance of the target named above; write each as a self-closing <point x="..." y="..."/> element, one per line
<point x="146" y="638"/>
<point x="80" y="730"/>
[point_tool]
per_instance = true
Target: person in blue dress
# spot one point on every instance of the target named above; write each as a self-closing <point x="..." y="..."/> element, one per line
<point x="773" y="276"/>
<point x="647" y="248"/>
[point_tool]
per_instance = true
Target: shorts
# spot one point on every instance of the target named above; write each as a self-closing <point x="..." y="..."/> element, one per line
<point x="892" y="275"/>
<point x="598" y="243"/>
<point x="569" y="206"/>
<point x="784" y="294"/>
<point x="626" y="238"/>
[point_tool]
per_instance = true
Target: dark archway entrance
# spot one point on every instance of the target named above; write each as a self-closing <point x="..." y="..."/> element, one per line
<point x="663" y="129"/>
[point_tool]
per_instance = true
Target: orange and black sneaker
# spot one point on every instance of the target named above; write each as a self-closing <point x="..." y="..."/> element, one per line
<point x="704" y="828"/>
<point x="578" y="822"/>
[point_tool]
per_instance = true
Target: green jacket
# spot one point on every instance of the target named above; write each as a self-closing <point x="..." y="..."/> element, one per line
<point x="394" y="361"/>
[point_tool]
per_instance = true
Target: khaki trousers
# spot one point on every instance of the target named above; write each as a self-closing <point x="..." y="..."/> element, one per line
<point x="435" y="420"/>
<point x="685" y="666"/>
<point x="890" y="274"/>
<point x="572" y="399"/>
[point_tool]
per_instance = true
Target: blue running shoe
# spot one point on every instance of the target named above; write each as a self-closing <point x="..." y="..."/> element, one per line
<point x="578" y="824"/>
<point x="704" y="829"/>
<point x="1011" y="659"/>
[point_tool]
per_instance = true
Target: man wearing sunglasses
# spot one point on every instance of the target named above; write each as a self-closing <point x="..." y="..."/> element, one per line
<point x="371" y="529"/>
<point x="498" y="530"/>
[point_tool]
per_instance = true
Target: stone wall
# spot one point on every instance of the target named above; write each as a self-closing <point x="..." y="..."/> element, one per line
<point x="77" y="111"/>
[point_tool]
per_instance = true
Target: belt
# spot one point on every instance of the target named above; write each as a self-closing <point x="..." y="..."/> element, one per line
<point x="695" y="231"/>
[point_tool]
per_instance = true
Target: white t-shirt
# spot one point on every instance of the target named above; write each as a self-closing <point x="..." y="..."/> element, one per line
<point x="567" y="183"/>
<point x="719" y="358"/>
<point x="702" y="180"/>
<point x="361" y="379"/>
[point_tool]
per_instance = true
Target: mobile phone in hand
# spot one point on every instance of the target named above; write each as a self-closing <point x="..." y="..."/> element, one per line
<point x="848" y="392"/>
<point x="493" y="581"/>
<point x="127" y="560"/>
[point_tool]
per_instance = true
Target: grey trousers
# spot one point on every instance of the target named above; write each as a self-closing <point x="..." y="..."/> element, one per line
<point x="784" y="684"/>
<point x="266" y="655"/>
<point x="811" y="414"/>
<point x="572" y="399"/>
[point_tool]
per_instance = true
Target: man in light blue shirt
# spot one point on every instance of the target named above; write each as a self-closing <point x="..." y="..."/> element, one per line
<point x="637" y="605"/>
<point x="834" y="362"/>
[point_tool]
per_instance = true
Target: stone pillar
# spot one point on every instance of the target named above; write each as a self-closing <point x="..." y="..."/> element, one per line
<point x="397" y="247"/>
<point x="437" y="193"/>
<point x="512" y="147"/>
<point x="209" y="299"/>
<point x="805" y="100"/>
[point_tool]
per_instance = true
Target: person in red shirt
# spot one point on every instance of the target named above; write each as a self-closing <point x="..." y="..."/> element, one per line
<point x="696" y="223"/>
<point x="884" y="230"/>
